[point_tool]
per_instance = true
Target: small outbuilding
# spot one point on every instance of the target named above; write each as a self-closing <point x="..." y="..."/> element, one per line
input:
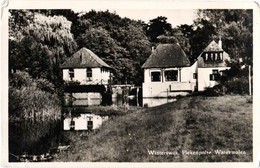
<point x="87" y="68"/>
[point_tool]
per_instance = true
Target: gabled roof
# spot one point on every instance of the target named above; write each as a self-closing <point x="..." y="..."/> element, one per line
<point x="213" y="46"/>
<point x="84" y="58"/>
<point x="167" y="56"/>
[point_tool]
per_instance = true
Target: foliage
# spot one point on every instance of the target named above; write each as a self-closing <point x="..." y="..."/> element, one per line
<point x="72" y="83"/>
<point x="167" y="39"/>
<point x="120" y="42"/>
<point x="42" y="45"/>
<point x="34" y="110"/>
<point x="158" y="26"/>
<point x="235" y="81"/>
<point x="234" y="27"/>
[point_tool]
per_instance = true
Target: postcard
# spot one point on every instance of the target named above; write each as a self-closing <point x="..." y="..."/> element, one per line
<point x="129" y="83"/>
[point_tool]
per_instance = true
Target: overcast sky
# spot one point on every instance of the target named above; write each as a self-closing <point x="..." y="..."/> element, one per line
<point x="174" y="16"/>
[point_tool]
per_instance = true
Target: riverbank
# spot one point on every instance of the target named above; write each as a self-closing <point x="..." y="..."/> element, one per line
<point x="196" y="128"/>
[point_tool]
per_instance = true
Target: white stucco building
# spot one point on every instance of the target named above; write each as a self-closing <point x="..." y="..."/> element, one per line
<point x="87" y="68"/>
<point x="167" y="72"/>
<point x="212" y="62"/>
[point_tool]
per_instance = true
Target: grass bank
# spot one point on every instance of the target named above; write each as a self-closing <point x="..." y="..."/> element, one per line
<point x="192" y="123"/>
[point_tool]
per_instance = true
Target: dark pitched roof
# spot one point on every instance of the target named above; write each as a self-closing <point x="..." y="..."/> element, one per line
<point x="213" y="46"/>
<point x="166" y="56"/>
<point x="84" y="58"/>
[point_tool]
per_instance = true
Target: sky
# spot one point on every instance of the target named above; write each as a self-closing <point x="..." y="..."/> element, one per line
<point x="174" y="16"/>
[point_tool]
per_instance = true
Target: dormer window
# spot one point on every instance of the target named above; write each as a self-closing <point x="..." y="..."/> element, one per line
<point x="71" y="73"/>
<point x="221" y="56"/>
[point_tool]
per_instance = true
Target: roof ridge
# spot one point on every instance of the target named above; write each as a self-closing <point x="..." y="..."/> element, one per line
<point x="97" y="58"/>
<point x="88" y="59"/>
<point x="167" y="55"/>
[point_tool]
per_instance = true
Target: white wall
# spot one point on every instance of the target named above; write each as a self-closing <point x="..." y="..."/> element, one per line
<point x="193" y="69"/>
<point x="147" y="75"/>
<point x="203" y="77"/>
<point x="163" y="89"/>
<point x="169" y="88"/>
<point x="80" y="75"/>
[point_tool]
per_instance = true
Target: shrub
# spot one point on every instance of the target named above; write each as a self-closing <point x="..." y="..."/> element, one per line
<point x="237" y="85"/>
<point x="34" y="113"/>
<point x="235" y="81"/>
<point x="72" y="83"/>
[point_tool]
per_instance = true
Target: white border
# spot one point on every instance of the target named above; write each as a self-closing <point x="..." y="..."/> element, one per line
<point x="127" y="4"/>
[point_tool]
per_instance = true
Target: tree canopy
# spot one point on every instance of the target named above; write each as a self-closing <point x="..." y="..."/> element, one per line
<point x="41" y="44"/>
<point x="40" y="40"/>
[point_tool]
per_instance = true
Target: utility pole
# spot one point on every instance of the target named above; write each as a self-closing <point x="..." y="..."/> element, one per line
<point x="249" y="78"/>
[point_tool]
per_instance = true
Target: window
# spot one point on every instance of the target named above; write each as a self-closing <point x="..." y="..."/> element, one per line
<point x="215" y="71"/>
<point x="215" y="76"/>
<point x="195" y="75"/>
<point x="89" y="74"/>
<point x="221" y="56"/>
<point x="206" y="56"/>
<point x="156" y="76"/>
<point x="71" y="73"/>
<point x="90" y="125"/>
<point x="216" y="56"/>
<point x="171" y="75"/>
<point x="72" y="125"/>
<point x="212" y="56"/>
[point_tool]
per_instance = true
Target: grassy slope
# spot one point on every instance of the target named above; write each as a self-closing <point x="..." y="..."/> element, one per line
<point x="191" y="123"/>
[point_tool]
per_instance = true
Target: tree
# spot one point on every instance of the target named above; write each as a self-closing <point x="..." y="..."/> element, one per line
<point x="158" y="26"/>
<point x="42" y="44"/>
<point x="120" y="42"/>
<point x="183" y="34"/>
<point x="235" y="28"/>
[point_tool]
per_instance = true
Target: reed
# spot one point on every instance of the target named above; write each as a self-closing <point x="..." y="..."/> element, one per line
<point x="34" y="115"/>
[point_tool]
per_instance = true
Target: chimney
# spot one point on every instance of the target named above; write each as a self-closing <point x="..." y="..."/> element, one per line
<point x="220" y="43"/>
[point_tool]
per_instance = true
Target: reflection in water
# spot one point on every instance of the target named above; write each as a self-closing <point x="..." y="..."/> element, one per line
<point x="85" y="102"/>
<point x="151" y="102"/>
<point x="77" y="104"/>
<point x="83" y="122"/>
<point x="91" y="99"/>
<point x="118" y="100"/>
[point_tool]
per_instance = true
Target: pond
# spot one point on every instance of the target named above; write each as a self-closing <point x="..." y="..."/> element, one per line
<point x="95" y="99"/>
<point x="78" y="115"/>
<point x="83" y="122"/>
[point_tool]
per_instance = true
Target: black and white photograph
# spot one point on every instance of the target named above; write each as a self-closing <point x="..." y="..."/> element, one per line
<point x="130" y="85"/>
